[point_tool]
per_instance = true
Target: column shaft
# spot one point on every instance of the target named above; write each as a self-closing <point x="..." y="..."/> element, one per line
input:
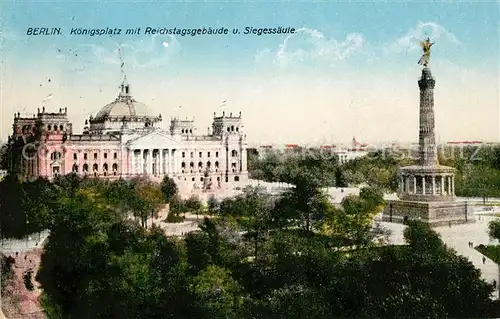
<point x="161" y="161"/>
<point x="442" y="184"/>
<point x="423" y="185"/>
<point x="141" y="169"/>
<point x="433" y="185"/>
<point x="132" y="170"/>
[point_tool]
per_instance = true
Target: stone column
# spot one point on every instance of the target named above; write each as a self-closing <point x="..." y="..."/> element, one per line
<point x="174" y="161"/>
<point x="161" y="161"/>
<point x="407" y="182"/>
<point x="167" y="161"/>
<point x="150" y="161"/>
<point x="414" y="184"/>
<point x="452" y="182"/>
<point x="442" y="184"/>
<point x="170" y="161"/>
<point x="423" y="185"/>
<point x="433" y="184"/>
<point x="132" y="171"/>
<point x="141" y="161"/>
<point x="449" y="184"/>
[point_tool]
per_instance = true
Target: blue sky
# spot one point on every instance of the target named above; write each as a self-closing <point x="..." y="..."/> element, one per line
<point x="358" y="43"/>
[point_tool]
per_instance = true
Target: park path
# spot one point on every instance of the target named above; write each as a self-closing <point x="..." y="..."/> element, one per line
<point x="457" y="237"/>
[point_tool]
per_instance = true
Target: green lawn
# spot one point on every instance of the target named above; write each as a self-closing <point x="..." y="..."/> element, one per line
<point x="491" y="251"/>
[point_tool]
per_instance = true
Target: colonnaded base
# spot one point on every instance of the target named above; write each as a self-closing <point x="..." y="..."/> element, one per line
<point x="433" y="213"/>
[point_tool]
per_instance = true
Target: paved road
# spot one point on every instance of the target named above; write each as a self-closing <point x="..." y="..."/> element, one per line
<point x="22" y="245"/>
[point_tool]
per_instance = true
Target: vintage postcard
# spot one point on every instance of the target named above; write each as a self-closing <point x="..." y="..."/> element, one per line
<point x="249" y="159"/>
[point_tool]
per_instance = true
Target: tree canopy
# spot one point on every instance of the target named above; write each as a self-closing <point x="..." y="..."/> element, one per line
<point x="259" y="256"/>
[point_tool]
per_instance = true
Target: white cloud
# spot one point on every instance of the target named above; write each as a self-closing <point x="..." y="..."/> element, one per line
<point x="411" y="40"/>
<point x="159" y="51"/>
<point x="310" y="44"/>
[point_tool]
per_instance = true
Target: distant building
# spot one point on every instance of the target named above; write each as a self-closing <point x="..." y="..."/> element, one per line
<point x="346" y="154"/>
<point x="122" y="141"/>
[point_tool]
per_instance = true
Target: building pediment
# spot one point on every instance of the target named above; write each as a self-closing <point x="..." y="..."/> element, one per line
<point x="151" y="141"/>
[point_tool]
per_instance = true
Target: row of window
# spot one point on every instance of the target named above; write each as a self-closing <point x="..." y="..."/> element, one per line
<point x="200" y="154"/>
<point x="200" y="167"/>
<point x="95" y="168"/>
<point x="234" y="153"/>
<point x="55" y="127"/>
<point x="75" y="156"/>
<point x="200" y="164"/>
<point x="58" y="155"/>
<point x="236" y="179"/>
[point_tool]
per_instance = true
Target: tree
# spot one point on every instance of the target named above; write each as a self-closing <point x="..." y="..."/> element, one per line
<point x="216" y="293"/>
<point x="4" y="156"/>
<point x="494" y="229"/>
<point x="305" y="202"/>
<point x="340" y="179"/>
<point x="193" y="204"/>
<point x="213" y="205"/>
<point x="149" y="200"/>
<point x="352" y="223"/>
<point x="76" y="250"/>
<point x="168" y="188"/>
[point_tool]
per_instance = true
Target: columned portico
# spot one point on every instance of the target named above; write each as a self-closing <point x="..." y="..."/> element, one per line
<point x="155" y="161"/>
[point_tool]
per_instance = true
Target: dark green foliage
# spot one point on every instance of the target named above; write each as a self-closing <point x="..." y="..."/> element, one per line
<point x="491" y="251"/>
<point x="261" y="257"/>
<point x="4" y="157"/>
<point x="213" y="205"/>
<point x="168" y="188"/>
<point x="494" y="227"/>
<point x="7" y="272"/>
<point x="174" y="218"/>
<point x="25" y="208"/>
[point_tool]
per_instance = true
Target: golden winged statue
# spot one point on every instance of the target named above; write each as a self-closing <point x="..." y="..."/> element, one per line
<point x="426" y="47"/>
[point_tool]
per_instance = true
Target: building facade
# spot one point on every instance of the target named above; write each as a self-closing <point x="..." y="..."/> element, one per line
<point x="123" y="141"/>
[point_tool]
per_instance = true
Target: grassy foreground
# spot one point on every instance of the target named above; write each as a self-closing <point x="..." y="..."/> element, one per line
<point x="491" y="251"/>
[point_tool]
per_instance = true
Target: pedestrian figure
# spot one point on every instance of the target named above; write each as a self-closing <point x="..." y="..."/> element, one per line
<point x="449" y="223"/>
<point x="471" y="245"/>
<point x="484" y="260"/>
<point x="494" y="284"/>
